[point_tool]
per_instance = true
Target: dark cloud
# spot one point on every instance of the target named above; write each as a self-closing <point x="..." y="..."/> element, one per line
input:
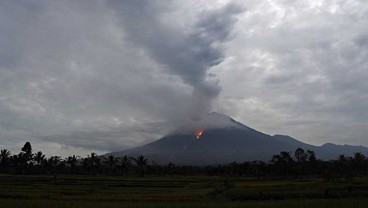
<point x="80" y="76"/>
<point x="187" y="54"/>
<point x="66" y="70"/>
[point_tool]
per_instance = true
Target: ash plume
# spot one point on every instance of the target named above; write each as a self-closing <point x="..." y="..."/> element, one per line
<point x="188" y="55"/>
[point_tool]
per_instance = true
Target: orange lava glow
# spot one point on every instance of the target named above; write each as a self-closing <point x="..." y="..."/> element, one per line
<point x="199" y="133"/>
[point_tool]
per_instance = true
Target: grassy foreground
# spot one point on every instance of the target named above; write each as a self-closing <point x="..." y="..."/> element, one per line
<point x="105" y="191"/>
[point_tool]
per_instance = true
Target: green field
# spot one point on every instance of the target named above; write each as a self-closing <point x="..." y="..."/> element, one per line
<point x="178" y="191"/>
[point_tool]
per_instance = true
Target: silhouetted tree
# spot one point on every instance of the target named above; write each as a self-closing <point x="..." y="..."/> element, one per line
<point x="285" y="156"/>
<point x="342" y="167"/>
<point x="39" y="157"/>
<point x="111" y="162"/>
<point x="358" y="162"/>
<point x="342" y="158"/>
<point x="85" y="163"/>
<point x="311" y="156"/>
<point x="4" y="158"/>
<point x="14" y="160"/>
<point x="94" y="160"/>
<point x="300" y="155"/>
<point x="282" y="163"/>
<point x="141" y="162"/>
<point x="27" y="149"/>
<point x="54" y="161"/>
<point x="359" y="157"/>
<point x="312" y="162"/>
<point x="124" y="164"/>
<point x="71" y="161"/>
<point x="257" y="168"/>
<point x="93" y="163"/>
<point x="169" y="169"/>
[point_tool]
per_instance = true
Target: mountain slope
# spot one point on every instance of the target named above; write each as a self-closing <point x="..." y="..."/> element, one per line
<point x="225" y="140"/>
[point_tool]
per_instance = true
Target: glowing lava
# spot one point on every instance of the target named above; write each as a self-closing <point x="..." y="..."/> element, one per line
<point x="199" y="133"/>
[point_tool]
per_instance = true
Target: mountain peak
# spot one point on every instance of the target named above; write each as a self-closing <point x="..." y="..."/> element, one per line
<point x="209" y="121"/>
<point x="219" y="115"/>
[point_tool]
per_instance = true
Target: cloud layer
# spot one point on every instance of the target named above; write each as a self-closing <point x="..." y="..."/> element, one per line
<point x="107" y="75"/>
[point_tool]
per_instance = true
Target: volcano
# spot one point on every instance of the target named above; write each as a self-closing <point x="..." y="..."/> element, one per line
<point x="219" y="139"/>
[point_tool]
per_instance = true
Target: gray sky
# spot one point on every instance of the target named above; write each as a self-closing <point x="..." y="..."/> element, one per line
<point x="91" y="75"/>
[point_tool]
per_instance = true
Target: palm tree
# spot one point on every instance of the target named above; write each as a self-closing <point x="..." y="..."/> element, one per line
<point x="93" y="159"/>
<point x="141" y="162"/>
<point x="85" y="163"/>
<point x="71" y="161"/>
<point x="342" y="158"/>
<point x="93" y="162"/>
<point x="170" y="167"/>
<point x="39" y="157"/>
<point x="359" y="157"/>
<point x="54" y="161"/>
<point x="125" y="163"/>
<point x="358" y="162"/>
<point x="111" y="161"/>
<point x="4" y="157"/>
<point x="14" y="160"/>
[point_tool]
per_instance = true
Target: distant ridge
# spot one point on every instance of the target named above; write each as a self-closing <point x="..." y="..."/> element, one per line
<point x="225" y="140"/>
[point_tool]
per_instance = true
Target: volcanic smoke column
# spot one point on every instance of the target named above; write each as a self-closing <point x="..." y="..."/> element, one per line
<point x="188" y="55"/>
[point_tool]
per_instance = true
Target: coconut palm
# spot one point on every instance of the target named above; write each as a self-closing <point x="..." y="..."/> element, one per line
<point x="342" y="158"/>
<point x="358" y="162"/>
<point x="111" y="161"/>
<point x="141" y="162"/>
<point x="39" y="157"/>
<point x="94" y="160"/>
<point x="4" y="157"/>
<point x="92" y="163"/>
<point x="71" y="161"/>
<point x="125" y="163"/>
<point x="54" y="161"/>
<point x="358" y="156"/>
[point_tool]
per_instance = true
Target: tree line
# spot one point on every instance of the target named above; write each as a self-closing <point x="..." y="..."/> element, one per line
<point x="299" y="163"/>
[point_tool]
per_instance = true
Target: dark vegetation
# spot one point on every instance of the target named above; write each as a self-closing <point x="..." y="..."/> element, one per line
<point x="296" y="179"/>
<point x="299" y="164"/>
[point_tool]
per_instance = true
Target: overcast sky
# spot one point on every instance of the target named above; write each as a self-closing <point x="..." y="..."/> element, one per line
<point x="94" y="75"/>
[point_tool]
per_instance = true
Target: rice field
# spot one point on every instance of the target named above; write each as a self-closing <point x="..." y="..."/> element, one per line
<point x="178" y="191"/>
